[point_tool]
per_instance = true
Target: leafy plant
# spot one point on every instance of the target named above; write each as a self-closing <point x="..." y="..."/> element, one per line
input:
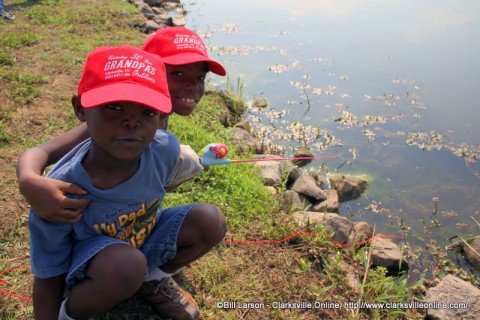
<point x="304" y="265"/>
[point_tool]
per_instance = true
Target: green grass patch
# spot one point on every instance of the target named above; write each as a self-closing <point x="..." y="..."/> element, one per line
<point x="19" y="39"/>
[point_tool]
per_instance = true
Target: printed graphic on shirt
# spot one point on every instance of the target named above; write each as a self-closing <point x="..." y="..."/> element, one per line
<point x="133" y="227"/>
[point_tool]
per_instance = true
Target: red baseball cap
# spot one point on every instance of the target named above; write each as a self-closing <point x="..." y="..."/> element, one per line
<point x="179" y="45"/>
<point x="124" y="73"/>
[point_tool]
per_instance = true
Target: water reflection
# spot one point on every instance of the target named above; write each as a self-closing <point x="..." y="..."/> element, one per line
<point x="384" y="79"/>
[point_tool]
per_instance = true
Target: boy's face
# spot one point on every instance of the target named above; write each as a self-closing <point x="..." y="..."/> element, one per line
<point x="120" y="130"/>
<point x="186" y="84"/>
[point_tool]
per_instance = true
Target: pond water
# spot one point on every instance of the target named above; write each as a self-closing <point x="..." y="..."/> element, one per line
<point x="389" y="85"/>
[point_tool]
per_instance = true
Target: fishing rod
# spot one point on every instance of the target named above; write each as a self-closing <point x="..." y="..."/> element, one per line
<point x="215" y="153"/>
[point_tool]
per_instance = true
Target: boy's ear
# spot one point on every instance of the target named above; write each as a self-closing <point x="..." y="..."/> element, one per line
<point x="78" y="108"/>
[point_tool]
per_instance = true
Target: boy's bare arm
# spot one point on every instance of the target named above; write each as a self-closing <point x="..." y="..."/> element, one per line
<point x="188" y="166"/>
<point x="45" y="195"/>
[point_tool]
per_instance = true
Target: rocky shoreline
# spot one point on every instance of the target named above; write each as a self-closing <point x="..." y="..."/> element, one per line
<point x="313" y="200"/>
<point x="160" y="14"/>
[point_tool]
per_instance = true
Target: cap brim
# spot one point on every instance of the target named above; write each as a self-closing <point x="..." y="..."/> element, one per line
<point x="128" y="92"/>
<point x="185" y="58"/>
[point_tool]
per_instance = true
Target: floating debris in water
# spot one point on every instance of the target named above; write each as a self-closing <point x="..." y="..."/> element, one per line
<point x="434" y="141"/>
<point x="369" y="134"/>
<point x="279" y="68"/>
<point x="376" y="207"/>
<point x="229" y="28"/>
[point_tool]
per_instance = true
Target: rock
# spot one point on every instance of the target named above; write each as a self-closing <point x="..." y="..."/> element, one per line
<point x="233" y="102"/>
<point x="348" y="187"/>
<point x="273" y="172"/>
<point x="242" y="140"/>
<point x="260" y="103"/>
<point x="340" y="226"/>
<point x="270" y="171"/>
<point x="160" y="14"/>
<point x="162" y="21"/>
<point x="153" y="3"/>
<point x="151" y="26"/>
<point x="244" y="125"/>
<point x="351" y="275"/>
<point x="301" y="152"/>
<point x="232" y="107"/>
<point x="295" y="201"/>
<point x="386" y="253"/>
<point x="170" y="4"/>
<point x="146" y="11"/>
<point x="315" y="175"/>
<point x="290" y="171"/>
<point x="179" y="21"/>
<point x="331" y="204"/>
<point x="307" y="186"/>
<point x="451" y="293"/>
<point x="271" y="189"/>
<point x="361" y="232"/>
<point x="471" y="251"/>
<point x="137" y="3"/>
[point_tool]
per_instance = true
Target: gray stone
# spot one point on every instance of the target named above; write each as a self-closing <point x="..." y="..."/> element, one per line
<point x="242" y="139"/>
<point x="471" y="250"/>
<point x="361" y="231"/>
<point x="307" y="186"/>
<point x="295" y="201"/>
<point x="260" y="103"/>
<point x="451" y="292"/>
<point x="349" y="187"/>
<point x="340" y="226"/>
<point x="331" y="204"/>
<point x="151" y="26"/>
<point x="386" y="253"/>
<point x="270" y="172"/>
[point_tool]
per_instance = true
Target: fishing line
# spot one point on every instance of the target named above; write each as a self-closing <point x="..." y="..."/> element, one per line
<point x="249" y="242"/>
<point x="312" y="234"/>
<point x="10" y="293"/>
<point x="215" y="154"/>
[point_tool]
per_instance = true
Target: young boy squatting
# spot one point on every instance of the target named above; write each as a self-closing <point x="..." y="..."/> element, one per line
<point x="124" y="166"/>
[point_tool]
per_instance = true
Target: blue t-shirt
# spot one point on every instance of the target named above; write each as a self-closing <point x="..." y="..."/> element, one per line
<point x="126" y="212"/>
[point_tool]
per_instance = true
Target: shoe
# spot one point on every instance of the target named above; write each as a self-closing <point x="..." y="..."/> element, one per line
<point x="7" y="16"/>
<point x="169" y="299"/>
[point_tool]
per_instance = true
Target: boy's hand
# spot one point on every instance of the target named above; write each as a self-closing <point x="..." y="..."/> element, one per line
<point x="47" y="198"/>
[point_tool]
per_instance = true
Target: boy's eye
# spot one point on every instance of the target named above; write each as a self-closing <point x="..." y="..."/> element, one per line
<point x="178" y="73"/>
<point x="114" y="106"/>
<point x="151" y="113"/>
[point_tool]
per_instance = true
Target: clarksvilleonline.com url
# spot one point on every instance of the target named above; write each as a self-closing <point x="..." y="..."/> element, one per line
<point x="346" y="305"/>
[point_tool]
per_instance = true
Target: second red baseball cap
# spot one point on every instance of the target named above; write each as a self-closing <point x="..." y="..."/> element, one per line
<point x="179" y="45"/>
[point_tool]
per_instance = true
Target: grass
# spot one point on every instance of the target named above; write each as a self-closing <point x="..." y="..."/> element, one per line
<point x="40" y="61"/>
